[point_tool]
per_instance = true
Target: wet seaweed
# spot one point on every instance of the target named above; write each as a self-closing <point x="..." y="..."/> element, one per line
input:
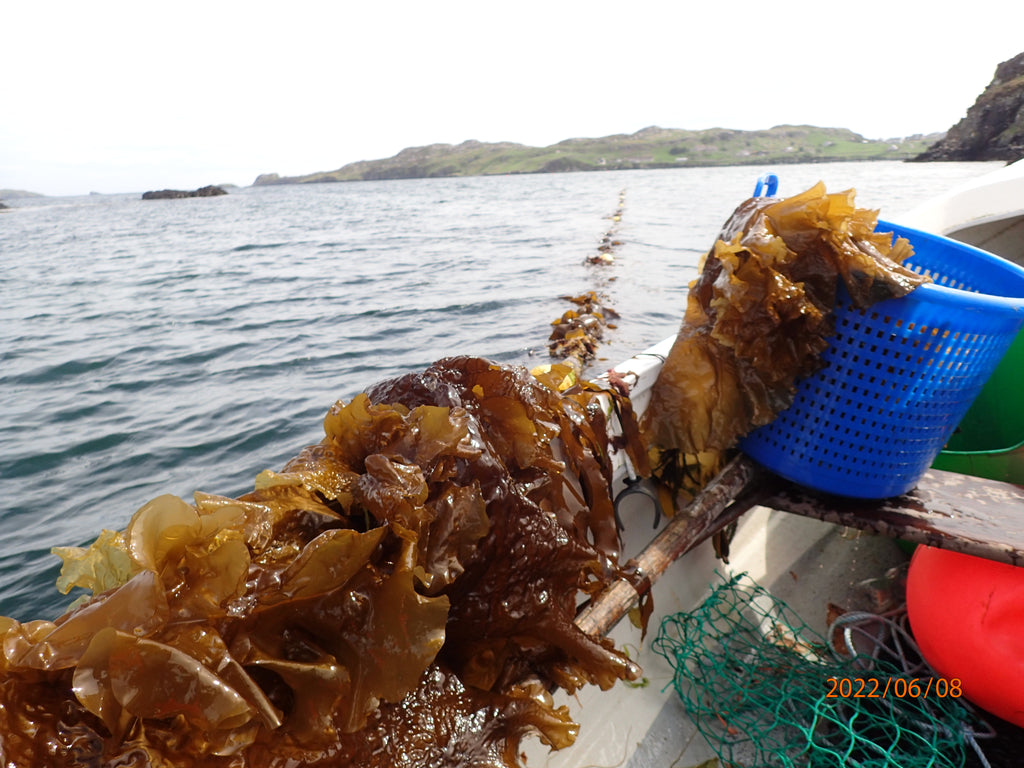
<point x="576" y="335"/>
<point x="390" y="597"/>
<point x="758" y="317"/>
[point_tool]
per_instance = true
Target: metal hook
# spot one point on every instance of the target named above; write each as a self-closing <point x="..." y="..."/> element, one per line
<point x="634" y="485"/>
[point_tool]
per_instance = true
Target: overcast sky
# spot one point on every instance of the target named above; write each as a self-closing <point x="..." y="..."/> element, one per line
<point x="129" y="96"/>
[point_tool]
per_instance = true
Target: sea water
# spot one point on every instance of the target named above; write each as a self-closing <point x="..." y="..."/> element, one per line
<point x="170" y="346"/>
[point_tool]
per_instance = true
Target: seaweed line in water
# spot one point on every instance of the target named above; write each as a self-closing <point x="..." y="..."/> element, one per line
<point x="576" y="335"/>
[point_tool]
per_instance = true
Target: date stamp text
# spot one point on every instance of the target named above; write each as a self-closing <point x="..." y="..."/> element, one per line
<point x="892" y="687"/>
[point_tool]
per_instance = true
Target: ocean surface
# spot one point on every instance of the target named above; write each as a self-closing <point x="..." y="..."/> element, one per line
<point x="169" y="346"/>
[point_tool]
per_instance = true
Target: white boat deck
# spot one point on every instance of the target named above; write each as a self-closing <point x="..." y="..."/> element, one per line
<point x="805" y="563"/>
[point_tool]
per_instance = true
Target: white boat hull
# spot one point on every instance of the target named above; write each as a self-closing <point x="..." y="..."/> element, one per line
<point x="987" y="212"/>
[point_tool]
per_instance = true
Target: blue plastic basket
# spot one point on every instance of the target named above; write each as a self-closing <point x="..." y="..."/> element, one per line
<point x="899" y="376"/>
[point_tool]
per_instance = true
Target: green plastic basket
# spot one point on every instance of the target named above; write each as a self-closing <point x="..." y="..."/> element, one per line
<point x="989" y="441"/>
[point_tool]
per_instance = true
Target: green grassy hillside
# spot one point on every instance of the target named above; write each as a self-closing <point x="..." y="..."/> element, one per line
<point x="649" y="148"/>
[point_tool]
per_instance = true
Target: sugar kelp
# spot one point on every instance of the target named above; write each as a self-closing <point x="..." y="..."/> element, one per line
<point x="400" y="594"/>
<point x="576" y="335"/>
<point x="759" y="316"/>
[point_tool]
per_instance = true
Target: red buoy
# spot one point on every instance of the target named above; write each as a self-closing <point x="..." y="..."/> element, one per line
<point x="967" y="616"/>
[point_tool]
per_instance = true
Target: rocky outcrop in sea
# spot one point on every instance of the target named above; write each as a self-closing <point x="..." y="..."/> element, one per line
<point x="993" y="129"/>
<point x="173" y="194"/>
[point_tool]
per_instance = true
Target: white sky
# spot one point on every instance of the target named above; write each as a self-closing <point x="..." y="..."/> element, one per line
<point x="128" y="96"/>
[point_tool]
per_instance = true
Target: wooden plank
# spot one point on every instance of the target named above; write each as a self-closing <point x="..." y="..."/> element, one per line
<point x="948" y="510"/>
<point x="723" y="500"/>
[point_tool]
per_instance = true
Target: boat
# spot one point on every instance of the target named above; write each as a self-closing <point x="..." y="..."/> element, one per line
<point x="986" y="212"/>
<point x="806" y="550"/>
<point x="803" y="552"/>
<point x="803" y="549"/>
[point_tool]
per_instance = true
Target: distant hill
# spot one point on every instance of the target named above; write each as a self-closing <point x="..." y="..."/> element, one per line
<point x="14" y="194"/>
<point x="648" y="148"/>
<point x="993" y="128"/>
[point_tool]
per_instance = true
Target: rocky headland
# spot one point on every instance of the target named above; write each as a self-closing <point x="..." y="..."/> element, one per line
<point x="993" y="128"/>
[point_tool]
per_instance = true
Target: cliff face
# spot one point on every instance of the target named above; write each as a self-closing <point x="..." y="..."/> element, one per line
<point x="993" y="128"/>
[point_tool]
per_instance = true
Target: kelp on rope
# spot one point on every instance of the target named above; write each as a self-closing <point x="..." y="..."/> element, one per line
<point x="576" y="335"/>
<point x="389" y="598"/>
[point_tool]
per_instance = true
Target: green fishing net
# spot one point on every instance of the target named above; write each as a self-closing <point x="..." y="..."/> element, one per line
<point x="766" y="690"/>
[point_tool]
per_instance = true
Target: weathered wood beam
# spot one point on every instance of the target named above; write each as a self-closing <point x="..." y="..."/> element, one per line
<point x="722" y="501"/>
<point x="948" y="510"/>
